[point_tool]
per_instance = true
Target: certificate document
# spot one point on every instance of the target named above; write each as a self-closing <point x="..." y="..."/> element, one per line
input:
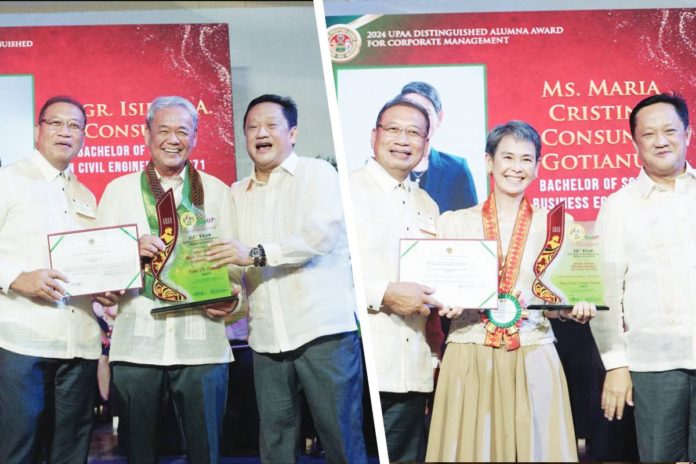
<point x="97" y="260"/>
<point x="463" y="273"/>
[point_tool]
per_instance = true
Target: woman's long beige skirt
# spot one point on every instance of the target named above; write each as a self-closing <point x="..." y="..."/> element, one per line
<point x="498" y="405"/>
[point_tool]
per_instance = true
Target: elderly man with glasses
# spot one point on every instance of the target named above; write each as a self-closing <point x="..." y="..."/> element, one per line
<point x="49" y="342"/>
<point x="388" y="206"/>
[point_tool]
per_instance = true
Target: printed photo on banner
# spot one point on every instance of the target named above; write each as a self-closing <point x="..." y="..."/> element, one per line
<point x="17" y="121"/>
<point x="458" y="128"/>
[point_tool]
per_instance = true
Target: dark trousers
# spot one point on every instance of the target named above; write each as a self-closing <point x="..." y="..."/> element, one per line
<point x="605" y="440"/>
<point x="665" y="411"/>
<point x="404" y="425"/>
<point x="329" y="370"/>
<point x="198" y="394"/>
<point x="55" y="395"/>
<point x="241" y="425"/>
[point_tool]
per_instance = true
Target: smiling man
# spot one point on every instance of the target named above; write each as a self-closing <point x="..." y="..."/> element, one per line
<point x="49" y="343"/>
<point x="185" y="353"/>
<point x="648" y="337"/>
<point x="299" y="287"/>
<point x="388" y="206"/>
<point x="447" y="178"/>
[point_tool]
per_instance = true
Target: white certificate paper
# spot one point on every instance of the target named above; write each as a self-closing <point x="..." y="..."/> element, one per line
<point x="97" y="260"/>
<point x="463" y="273"/>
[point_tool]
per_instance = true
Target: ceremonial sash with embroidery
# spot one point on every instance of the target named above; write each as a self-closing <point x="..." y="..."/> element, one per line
<point x="554" y="239"/>
<point x="163" y="219"/>
<point x="508" y="271"/>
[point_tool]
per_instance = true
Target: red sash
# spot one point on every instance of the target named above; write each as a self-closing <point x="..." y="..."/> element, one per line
<point x="168" y="231"/>
<point x="508" y="272"/>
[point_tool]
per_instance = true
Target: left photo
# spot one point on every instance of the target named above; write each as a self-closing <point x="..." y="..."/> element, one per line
<point x="175" y="278"/>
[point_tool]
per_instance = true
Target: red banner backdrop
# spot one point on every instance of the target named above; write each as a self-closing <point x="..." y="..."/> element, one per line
<point x="115" y="71"/>
<point x="574" y="75"/>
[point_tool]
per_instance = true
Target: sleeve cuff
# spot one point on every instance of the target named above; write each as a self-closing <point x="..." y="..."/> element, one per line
<point x="374" y="293"/>
<point x="240" y="312"/>
<point x="273" y="256"/>
<point x="7" y="276"/>
<point x="614" y="359"/>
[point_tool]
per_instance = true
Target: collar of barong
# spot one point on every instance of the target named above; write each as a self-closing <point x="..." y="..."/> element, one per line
<point x="196" y="195"/>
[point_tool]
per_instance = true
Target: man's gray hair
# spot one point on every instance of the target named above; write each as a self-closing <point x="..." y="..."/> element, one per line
<point x="168" y="102"/>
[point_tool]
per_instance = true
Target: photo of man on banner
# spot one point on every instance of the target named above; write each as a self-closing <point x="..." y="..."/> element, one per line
<point x="452" y="171"/>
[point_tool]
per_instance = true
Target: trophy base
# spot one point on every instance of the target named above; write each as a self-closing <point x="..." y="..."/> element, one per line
<point x="559" y="307"/>
<point x="192" y="304"/>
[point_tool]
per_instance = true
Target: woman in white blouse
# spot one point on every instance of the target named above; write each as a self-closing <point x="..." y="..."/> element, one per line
<point x="501" y="393"/>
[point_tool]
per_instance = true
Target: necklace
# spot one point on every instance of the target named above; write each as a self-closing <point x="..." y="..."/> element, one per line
<point x="417" y="176"/>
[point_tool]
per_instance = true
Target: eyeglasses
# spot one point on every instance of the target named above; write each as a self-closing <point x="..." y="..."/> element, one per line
<point x="56" y="124"/>
<point x="412" y="133"/>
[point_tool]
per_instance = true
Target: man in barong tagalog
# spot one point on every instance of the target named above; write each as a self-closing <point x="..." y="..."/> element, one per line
<point x="647" y="339"/>
<point x="298" y="281"/>
<point x="49" y="341"/>
<point x="186" y="351"/>
<point x="388" y="206"/>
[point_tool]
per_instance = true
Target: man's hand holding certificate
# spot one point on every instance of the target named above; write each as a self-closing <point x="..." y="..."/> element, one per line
<point x="97" y="260"/>
<point x="464" y="273"/>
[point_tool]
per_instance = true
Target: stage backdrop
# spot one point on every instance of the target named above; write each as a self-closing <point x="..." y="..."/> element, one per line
<point x="115" y="71"/>
<point x="574" y="75"/>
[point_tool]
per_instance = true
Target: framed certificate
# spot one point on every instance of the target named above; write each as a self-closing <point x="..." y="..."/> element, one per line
<point x="463" y="273"/>
<point x="97" y="260"/>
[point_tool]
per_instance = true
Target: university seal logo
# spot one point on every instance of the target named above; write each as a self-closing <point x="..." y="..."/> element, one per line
<point x="344" y="43"/>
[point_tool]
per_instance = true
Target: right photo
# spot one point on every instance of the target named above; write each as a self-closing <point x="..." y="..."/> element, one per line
<point x="520" y="207"/>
